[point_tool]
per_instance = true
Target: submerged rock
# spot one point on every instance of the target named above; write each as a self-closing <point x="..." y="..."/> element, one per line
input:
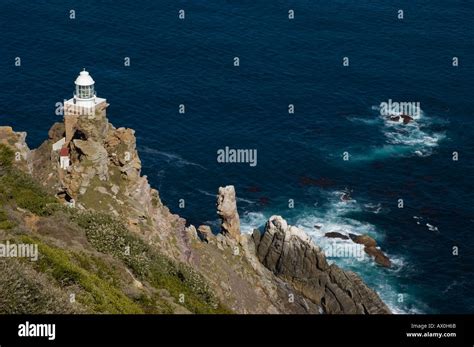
<point x="336" y="235"/>
<point x="405" y="119"/>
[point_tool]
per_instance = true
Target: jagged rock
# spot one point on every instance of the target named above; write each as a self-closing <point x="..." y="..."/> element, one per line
<point x="379" y="257"/>
<point x="289" y="253"/>
<point x="221" y="241"/>
<point x="336" y="235"/>
<point x="365" y="240"/>
<point x="121" y="146"/>
<point x="205" y="233"/>
<point x="371" y="249"/>
<point x="191" y="232"/>
<point x="57" y="132"/>
<point x="227" y="211"/>
<point x="256" y="236"/>
<point x="96" y="154"/>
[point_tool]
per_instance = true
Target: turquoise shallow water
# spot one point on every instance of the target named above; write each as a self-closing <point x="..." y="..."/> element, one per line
<point x="299" y="155"/>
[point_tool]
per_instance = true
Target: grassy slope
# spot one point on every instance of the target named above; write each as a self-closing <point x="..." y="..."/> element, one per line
<point x="102" y="271"/>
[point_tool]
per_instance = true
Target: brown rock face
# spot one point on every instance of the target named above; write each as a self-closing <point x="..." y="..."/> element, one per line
<point x="121" y="145"/>
<point x="365" y="240"/>
<point x="96" y="154"/>
<point x="371" y="249"/>
<point x="227" y="211"/>
<point x="290" y="254"/>
<point x="379" y="257"/>
<point x="205" y="233"/>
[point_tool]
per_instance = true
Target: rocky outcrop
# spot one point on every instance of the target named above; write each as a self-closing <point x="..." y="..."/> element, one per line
<point x="205" y="233"/>
<point x="227" y="211"/>
<point x="121" y="144"/>
<point x="17" y="142"/>
<point x="290" y="254"/>
<point x="279" y="271"/>
<point x="96" y="154"/>
<point x="371" y="248"/>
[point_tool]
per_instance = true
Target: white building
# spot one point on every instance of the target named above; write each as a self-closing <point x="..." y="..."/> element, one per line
<point x="64" y="160"/>
<point x="59" y="144"/>
<point x="84" y="101"/>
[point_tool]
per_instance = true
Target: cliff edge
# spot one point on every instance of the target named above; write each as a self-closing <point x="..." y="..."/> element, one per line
<point x="97" y="212"/>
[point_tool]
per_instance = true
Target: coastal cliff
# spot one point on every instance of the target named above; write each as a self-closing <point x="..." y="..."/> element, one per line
<point x="106" y="239"/>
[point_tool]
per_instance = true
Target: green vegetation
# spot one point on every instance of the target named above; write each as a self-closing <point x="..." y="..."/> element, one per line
<point x="6" y="157"/>
<point x="98" y="281"/>
<point x="98" y="294"/>
<point x="19" y="188"/>
<point x="110" y="236"/>
<point x="5" y="223"/>
<point x="25" y="291"/>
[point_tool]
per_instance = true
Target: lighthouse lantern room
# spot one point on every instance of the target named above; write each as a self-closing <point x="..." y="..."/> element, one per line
<point x="84" y="101"/>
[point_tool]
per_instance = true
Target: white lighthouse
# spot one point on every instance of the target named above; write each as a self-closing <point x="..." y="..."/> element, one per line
<point x="84" y="101"/>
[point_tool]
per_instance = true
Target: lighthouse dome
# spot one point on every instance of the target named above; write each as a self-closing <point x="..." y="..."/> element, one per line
<point x="84" y="79"/>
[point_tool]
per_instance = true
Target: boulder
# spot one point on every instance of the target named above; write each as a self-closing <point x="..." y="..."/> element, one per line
<point x="205" y="233"/>
<point x="227" y="211"/>
<point x="191" y="232"/>
<point x="406" y="119"/>
<point x="96" y="154"/>
<point x="379" y="257"/>
<point x="370" y="247"/>
<point x="365" y="240"/>
<point x="56" y="132"/>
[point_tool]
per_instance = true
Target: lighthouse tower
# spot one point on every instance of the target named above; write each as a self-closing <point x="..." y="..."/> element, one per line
<point x="84" y="101"/>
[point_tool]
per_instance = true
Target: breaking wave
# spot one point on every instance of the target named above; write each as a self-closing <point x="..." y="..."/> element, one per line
<point x="331" y="217"/>
<point x="417" y="137"/>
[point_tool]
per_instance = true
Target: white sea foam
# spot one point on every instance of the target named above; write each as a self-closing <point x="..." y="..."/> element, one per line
<point x="332" y="218"/>
<point x="415" y="135"/>
<point x="206" y="193"/>
<point x="252" y="220"/>
<point x="382" y="280"/>
<point x="414" y="138"/>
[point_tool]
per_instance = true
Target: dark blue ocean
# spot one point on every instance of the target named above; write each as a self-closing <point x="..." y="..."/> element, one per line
<point x="282" y="62"/>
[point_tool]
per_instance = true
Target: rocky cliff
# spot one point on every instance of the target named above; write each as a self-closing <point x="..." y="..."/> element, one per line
<point x="277" y="271"/>
<point x="289" y="253"/>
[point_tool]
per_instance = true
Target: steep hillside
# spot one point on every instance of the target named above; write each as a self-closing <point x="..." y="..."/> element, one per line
<point x="107" y="244"/>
